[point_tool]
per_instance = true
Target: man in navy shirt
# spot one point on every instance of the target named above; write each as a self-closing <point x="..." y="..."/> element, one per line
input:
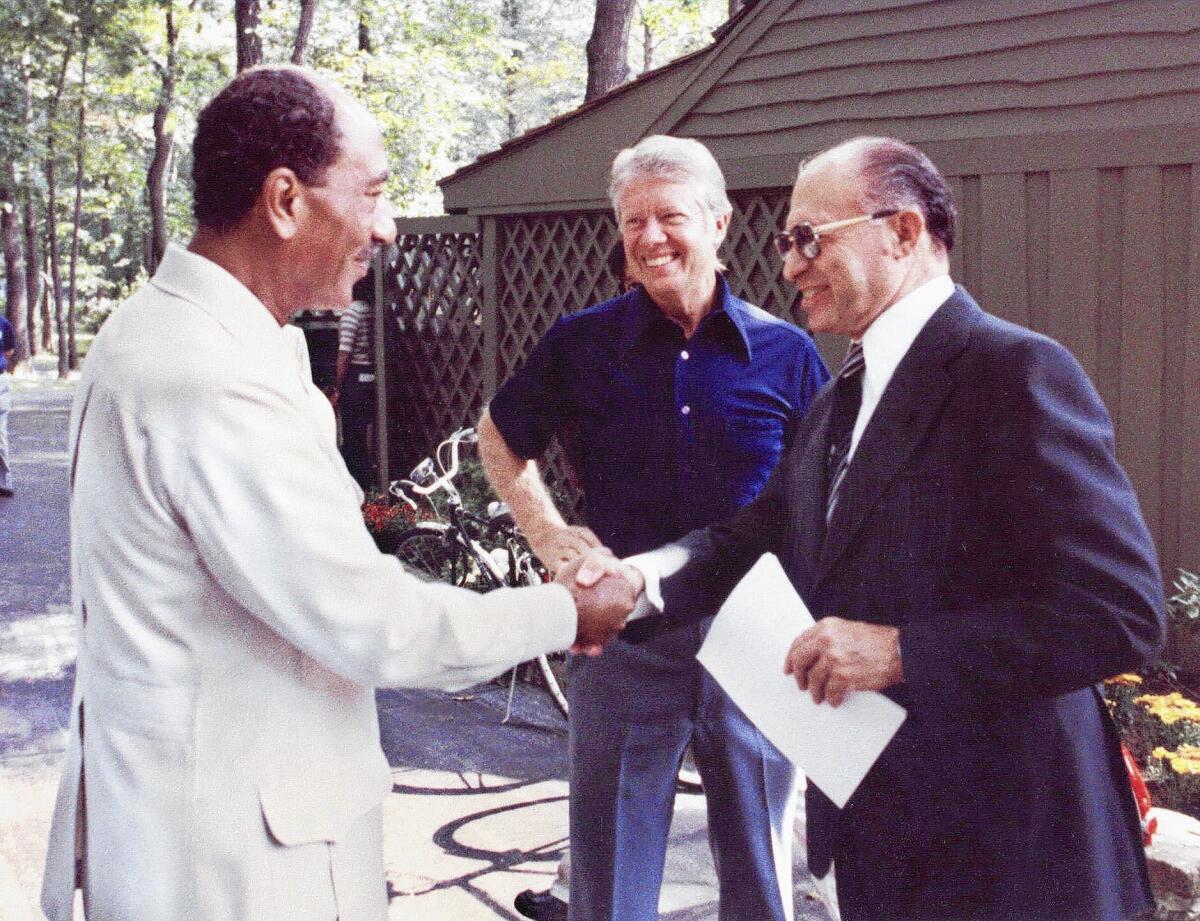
<point x="681" y="394"/>
<point x="8" y="342"/>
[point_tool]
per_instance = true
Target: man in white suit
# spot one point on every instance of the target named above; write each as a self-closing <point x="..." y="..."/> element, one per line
<point x="224" y="757"/>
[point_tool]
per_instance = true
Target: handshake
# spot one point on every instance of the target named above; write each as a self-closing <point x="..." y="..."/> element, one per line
<point x="605" y="590"/>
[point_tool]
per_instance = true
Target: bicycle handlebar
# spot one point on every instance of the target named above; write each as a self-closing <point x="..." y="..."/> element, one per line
<point x="425" y="481"/>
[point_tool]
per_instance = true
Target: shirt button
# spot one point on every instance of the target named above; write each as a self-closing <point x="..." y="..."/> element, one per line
<point x="684" y="355"/>
<point x="686" y="410"/>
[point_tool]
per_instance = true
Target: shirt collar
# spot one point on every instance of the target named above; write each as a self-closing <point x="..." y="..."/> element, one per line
<point x="728" y="314"/>
<point x="888" y="339"/>
<point x="214" y="290"/>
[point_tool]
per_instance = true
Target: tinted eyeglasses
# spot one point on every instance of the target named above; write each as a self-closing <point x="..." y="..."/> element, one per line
<point x="807" y="238"/>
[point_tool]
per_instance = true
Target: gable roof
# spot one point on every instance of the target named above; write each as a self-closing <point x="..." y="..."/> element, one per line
<point x="985" y="82"/>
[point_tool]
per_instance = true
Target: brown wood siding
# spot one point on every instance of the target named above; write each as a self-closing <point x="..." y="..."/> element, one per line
<point x="828" y="70"/>
<point x="1107" y="262"/>
<point x="1070" y="132"/>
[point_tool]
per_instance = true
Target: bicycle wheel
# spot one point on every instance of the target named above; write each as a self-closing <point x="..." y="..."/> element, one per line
<point x="434" y="553"/>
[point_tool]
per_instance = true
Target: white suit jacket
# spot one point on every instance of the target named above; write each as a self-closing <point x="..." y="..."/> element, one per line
<point x="235" y="616"/>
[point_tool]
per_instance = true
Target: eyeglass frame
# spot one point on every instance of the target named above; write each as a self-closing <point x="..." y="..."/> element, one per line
<point x="810" y="246"/>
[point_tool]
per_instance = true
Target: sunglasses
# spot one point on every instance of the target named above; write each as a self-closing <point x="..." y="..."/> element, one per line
<point x="807" y="238"/>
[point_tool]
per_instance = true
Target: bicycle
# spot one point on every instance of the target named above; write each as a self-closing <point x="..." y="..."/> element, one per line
<point x="469" y="551"/>
<point x="482" y="554"/>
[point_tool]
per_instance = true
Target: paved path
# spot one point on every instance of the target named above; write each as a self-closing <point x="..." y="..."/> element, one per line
<point x="478" y="809"/>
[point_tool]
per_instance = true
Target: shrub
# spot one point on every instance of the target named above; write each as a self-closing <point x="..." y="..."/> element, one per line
<point x="1182" y="657"/>
<point x="1161" y="727"/>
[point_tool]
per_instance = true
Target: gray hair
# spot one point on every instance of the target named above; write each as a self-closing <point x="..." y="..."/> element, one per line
<point x="671" y="159"/>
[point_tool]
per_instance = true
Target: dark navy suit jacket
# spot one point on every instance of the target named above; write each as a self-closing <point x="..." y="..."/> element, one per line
<point x="985" y="515"/>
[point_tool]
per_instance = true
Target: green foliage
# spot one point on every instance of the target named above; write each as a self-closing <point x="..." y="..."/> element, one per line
<point x="670" y="28"/>
<point x="1181" y="657"/>
<point x="448" y="79"/>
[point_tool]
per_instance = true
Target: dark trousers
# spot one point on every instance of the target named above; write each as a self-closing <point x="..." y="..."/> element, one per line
<point x="356" y="403"/>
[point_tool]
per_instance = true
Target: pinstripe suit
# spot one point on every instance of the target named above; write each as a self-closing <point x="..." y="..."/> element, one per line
<point x="986" y="517"/>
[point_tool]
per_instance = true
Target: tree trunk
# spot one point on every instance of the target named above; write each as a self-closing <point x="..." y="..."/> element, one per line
<point x="510" y="11"/>
<point x="52" y="208"/>
<point x="47" y="297"/>
<point x="249" y="44"/>
<point x="164" y="144"/>
<point x="308" y="9"/>
<point x="608" y="48"/>
<point x="364" y="34"/>
<point x="72" y="277"/>
<point x="647" y="47"/>
<point x="33" y="275"/>
<point x="14" y="264"/>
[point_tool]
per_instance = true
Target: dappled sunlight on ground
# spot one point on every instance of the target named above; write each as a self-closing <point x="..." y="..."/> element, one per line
<point x="39" y="647"/>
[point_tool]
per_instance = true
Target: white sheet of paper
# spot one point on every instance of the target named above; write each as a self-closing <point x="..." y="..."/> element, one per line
<point x="745" y="651"/>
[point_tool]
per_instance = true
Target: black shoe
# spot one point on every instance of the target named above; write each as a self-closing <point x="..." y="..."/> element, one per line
<point x="541" y="906"/>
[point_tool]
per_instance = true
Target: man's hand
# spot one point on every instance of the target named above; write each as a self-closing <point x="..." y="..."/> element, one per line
<point x="835" y="656"/>
<point x="558" y="546"/>
<point x="599" y="563"/>
<point x="602" y="607"/>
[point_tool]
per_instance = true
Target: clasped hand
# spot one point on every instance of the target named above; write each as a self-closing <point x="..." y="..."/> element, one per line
<point x="605" y="592"/>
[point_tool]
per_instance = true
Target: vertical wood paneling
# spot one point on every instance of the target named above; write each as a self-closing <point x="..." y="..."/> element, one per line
<point x="1002" y="246"/>
<point x="489" y="268"/>
<point x="379" y="335"/>
<point x="1176" y="243"/>
<point x="956" y="254"/>
<point x="1108" y="377"/>
<point x="1139" y="438"/>
<point x="1072" y="312"/>
<point x="1037" y="189"/>
<point x="1189" y="390"/>
<point x="969" y="232"/>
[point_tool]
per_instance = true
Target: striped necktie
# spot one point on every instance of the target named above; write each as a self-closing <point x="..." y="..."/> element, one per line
<point x="847" y="400"/>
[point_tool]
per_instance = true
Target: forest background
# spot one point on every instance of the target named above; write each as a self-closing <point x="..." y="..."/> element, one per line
<point x="100" y="99"/>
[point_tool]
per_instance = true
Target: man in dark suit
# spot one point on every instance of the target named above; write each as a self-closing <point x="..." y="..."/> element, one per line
<point x="954" y="517"/>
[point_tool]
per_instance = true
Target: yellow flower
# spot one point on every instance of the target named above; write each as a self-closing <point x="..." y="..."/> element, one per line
<point x="1127" y="678"/>
<point x="1184" y="760"/>
<point x="1170" y="708"/>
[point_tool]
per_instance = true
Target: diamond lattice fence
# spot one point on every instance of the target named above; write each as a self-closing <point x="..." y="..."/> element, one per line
<point x="550" y="265"/>
<point x="437" y="306"/>
<point x="753" y="266"/>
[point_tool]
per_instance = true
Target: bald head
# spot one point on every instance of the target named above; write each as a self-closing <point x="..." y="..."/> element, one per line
<point x="894" y="174"/>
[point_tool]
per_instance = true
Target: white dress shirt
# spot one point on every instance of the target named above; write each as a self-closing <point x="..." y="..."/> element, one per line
<point x="887" y="341"/>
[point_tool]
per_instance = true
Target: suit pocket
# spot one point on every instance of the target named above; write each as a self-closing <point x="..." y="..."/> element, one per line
<point x="321" y="799"/>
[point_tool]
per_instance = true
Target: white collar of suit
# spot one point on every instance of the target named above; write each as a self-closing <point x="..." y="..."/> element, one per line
<point x="218" y="293"/>
<point x="888" y="339"/>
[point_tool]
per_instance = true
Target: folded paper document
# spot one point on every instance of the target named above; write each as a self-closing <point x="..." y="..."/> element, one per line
<point x="745" y="651"/>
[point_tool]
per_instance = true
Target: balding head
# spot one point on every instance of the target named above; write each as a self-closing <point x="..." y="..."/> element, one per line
<point x="264" y="118"/>
<point x="880" y="221"/>
<point x="894" y="174"/>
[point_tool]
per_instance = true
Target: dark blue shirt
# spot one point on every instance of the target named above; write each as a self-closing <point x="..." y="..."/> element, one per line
<point x="673" y="434"/>
<point x="8" y="341"/>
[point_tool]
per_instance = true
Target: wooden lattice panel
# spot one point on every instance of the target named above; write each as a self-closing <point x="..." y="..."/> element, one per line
<point x="550" y="265"/>
<point x="438" y="311"/>
<point x="754" y="268"/>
